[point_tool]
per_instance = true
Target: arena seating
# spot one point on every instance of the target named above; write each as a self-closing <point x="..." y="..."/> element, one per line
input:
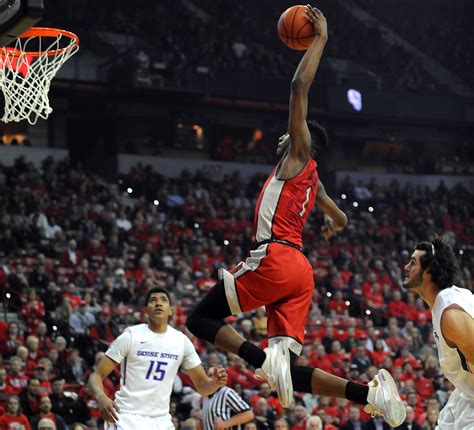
<point x="69" y="240"/>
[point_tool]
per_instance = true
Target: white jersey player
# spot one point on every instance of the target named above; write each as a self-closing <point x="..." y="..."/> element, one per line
<point x="430" y="273"/>
<point x="150" y="356"/>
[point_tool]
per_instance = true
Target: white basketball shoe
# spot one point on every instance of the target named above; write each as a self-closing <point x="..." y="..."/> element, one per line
<point x="383" y="399"/>
<point x="276" y="371"/>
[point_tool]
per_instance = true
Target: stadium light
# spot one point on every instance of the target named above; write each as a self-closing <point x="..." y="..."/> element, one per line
<point x="371" y="209"/>
<point x="54" y="328"/>
<point x="348" y="303"/>
<point x="196" y="225"/>
<point x="461" y="252"/>
<point x="368" y="312"/>
<point x="129" y="190"/>
<point x="8" y="295"/>
<point x="354" y="98"/>
<point x="343" y="197"/>
<point x="226" y="242"/>
<point x="329" y="294"/>
<point x="355" y="204"/>
<point x="156" y="202"/>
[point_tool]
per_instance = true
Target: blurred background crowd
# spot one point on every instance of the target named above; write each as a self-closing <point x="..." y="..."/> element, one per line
<point x="78" y="255"/>
<point x="146" y="174"/>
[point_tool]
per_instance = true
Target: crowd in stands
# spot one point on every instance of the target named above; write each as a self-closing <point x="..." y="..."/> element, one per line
<point x="244" y="41"/>
<point x="428" y="34"/>
<point x="78" y="254"/>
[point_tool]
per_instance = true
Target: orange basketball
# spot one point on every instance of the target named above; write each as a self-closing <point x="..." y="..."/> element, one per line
<point x="295" y="29"/>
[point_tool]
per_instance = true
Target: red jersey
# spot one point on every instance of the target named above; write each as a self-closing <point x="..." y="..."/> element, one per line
<point x="283" y="206"/>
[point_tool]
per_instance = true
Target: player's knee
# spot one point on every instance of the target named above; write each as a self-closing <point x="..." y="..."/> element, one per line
<point x="302" y="378"/>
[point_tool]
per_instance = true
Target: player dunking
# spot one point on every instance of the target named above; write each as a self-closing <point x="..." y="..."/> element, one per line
<point x="151" y="355"/>
<point x="277" y="274"/>
<point x="430" y="273"/>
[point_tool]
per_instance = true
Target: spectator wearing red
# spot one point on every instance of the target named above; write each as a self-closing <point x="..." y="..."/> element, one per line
<point x="33" y="311"/>
<point x="337" y="353"/>
<point x="326" y="407"/>
<point x="397" y="307"/>
<point x="408" y="374"/>
<point x="273" y="402"/>
<point x="11" y="342"/>
<point x="205" y="282"/>
<point x="414" y="401"/>
<point x="71" y="256"/>
<point x="421" y="316"/>
<point x="13" y="417"/>
<point x="374" y="296"/>
<point x="394" y="340"/>
<point x="424" y="386"/>
<point x="74" y="296"/>
<point x="379" y="353"/>
<point x="238" y="372"/>
<point x="320" y="359"/>
<point x="16" y="377"/>
<point x="45" y="341"/>
<point x="301" y="417"/>
<point x="405" y="355"/>
<point x="95" y="252"/>
<point x="338" y="305"/>
<point x="44" y="375"/>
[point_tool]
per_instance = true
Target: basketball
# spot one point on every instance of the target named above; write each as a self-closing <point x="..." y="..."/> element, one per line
<point x="295" y="29"/>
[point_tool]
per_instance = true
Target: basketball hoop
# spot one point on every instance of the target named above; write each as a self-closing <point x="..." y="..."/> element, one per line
<point x="26" y="71"/>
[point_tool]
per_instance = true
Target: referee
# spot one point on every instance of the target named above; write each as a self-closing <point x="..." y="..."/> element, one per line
<point x="225" y="409"/>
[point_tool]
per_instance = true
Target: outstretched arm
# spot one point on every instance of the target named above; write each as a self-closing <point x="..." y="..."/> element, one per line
<point x="334" y="218"/>
<point x="300" y="137"/>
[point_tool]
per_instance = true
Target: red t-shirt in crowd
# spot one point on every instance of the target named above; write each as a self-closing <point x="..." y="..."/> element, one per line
<point x="17" y="382"/>
<point x="8" y="422"/>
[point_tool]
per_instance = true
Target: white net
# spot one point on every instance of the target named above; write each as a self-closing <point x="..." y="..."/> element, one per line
<point x="26" y="71"/>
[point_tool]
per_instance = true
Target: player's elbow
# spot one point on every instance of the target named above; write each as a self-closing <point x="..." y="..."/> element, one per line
<point x="340" y="221"/>
<point x="299" y="85"/>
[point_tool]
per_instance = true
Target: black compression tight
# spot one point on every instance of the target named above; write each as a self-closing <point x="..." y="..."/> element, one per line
<point x="207" y="318"/>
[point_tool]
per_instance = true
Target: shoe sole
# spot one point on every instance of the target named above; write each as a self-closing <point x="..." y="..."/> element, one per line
<point x="284" y="383"/>
<point x="393" y="404"/>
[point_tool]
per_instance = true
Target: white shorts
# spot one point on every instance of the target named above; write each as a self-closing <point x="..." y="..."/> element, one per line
<point x="133" y="422"/>
<point x="457" y="414"/>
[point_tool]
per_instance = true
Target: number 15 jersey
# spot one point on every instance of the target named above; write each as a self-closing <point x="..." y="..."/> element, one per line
<point x="149" y="364"/>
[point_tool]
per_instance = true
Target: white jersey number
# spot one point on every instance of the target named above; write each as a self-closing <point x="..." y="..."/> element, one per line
<point x="303" y="210"/>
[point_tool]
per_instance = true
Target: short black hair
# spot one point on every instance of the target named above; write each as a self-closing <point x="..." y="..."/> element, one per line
<point x="319" y="137"/>
<point x="441" y="264"/>
<point x="157" y="290"/>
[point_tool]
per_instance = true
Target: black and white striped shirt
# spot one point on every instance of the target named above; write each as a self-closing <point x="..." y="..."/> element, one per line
<point x="224" y="404"/>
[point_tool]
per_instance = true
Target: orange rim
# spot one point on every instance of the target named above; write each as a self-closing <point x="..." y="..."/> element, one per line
<point x="43" y="32"/>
